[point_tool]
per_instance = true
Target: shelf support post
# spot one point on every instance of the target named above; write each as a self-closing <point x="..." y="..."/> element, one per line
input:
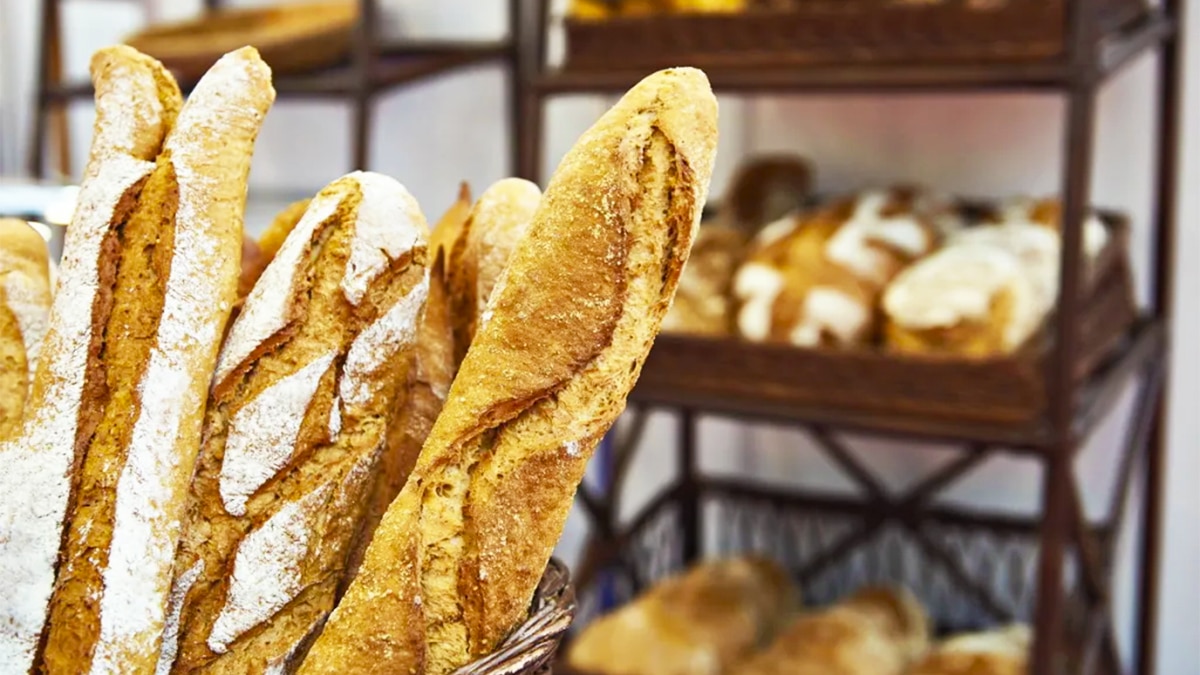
<point x="689" y="488"/>
<point x="362" y="57"/>
<point x="1163" y="251"/>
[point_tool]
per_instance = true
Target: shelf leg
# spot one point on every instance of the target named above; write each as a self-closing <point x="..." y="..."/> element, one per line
<point x="689" y="502"/>
<point x="1055" y="531"/>
<point x="46" y="47"/>
<point x="1163" y="247"/>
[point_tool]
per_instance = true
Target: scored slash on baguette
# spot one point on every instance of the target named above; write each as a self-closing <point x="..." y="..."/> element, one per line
<point x="459" y="554"/>
<point x="293" y="434"/>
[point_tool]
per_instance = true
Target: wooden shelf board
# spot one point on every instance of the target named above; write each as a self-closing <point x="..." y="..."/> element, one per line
<point x="1097" y="396"/>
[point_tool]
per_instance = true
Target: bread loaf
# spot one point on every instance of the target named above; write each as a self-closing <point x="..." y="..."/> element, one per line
<point x="24" y="306"/>
<point x="999" y="652"/>
<point x="874" y="632"/>
<point x="815" y="280"/>
<point x="300" y="404"/>
<point x="458" y="556"/>
<point x="149" y="277"/>
<point x="495" y="225"/>
<point x="699" y="623"/>
<point x="428" y="380"/>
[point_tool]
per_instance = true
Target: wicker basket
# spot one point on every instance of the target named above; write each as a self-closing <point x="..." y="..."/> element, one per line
<point x="532" y="647"/>
<point x="296" y="38"/>
<point x="835" y="31"/>
<point x="1006" y="390"/>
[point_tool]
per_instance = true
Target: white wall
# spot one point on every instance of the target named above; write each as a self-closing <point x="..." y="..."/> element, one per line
<point x="433" y="135"/>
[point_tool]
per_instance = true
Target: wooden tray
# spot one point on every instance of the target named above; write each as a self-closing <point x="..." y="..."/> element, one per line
<point x="292" y="39"/>
<point x="835" y="31"/>
<point x="1002" y="390"/>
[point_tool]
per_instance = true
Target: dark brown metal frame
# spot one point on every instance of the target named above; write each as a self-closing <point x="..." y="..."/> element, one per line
<point x="1091" y="59"/>
<point x="373" y="67"/>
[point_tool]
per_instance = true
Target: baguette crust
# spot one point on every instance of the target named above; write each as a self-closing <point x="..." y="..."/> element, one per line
<point x="24" y="306"/>
<point x="176" y="282"/>
<point x="428" y="381"/>
<point x="459" y="553"/>
<point x="496" y="224"/>
<point x="295" y="425"/>
<point x="136" y="104"/>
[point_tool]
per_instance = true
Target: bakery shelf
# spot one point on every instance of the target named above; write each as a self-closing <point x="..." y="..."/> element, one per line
<point x="726" y="393"/>
<point x="1113" y="51"/>
<point x="395" y="66"/>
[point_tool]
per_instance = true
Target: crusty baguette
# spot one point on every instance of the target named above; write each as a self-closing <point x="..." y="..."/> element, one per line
<point x="174" y="287"/>
<point x="459" y="554"/>
<point x="149" y="277"/>
<point x="24" y="306"/>
<point x="428" y="380"/>
<point x="496" y="223"/>
<point x="136" y="105"/>
<point x="301" y="399"/>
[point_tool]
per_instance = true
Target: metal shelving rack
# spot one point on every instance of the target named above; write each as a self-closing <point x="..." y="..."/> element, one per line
<point x="1062" y="535"/>
<point x="375" y="66"/>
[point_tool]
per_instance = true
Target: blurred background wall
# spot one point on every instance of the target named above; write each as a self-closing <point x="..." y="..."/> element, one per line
<point x="435" y="134"/>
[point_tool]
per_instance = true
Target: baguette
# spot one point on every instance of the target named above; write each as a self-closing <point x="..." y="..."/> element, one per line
<point x="24" y="305"/>
<point x="496" y="223"/>
<point x="299" y="409"/>
<point x="458" y="556"/>
<point x="428" y="380"/>
<point x="41" y="463"/>
<point x="149" y="278"/>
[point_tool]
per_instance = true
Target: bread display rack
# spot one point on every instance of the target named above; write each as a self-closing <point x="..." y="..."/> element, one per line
<point x="374" y="66"/>
<point x="1054" y="570"/>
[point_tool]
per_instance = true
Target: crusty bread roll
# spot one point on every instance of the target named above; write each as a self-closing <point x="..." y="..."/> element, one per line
<point x="295" y="426"/>
<point x="460" y="552"/>
<point x="699" y="623"/>
<point x="875" y="632"/>
<point x="814" y="280"/>
<point x="702" y="304"/>
<point x="149" y="277"/>
<point x="998" y="652"/>
<point x="496" y="224"/>
<point x="24" y="305"/>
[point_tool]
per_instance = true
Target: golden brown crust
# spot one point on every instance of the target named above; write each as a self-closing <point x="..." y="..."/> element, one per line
<point x="704" y="621"/>
<point x="295" y="427"/>
<point x="877" y="631"/>
<point x="497" y="223"/>
<point x="461" y="550"/>
<point x="172" y="279"/>
<point x="24" y="308"/>
<point x="999" y="652"/>
<point x="425" y="388"/>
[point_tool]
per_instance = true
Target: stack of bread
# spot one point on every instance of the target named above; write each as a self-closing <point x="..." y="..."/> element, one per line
<point x="905" y="270"/>
<point x="741" y="616"/>
<point x="367" y="466"/>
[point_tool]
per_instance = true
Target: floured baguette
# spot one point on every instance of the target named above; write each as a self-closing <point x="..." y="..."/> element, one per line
<point x="301" y="398"/>
<point x="459" y="554"/>
<point x="24" y="306"/>
<point x="148" y="280"/>
<point x="496" y="224"/>
<point x="428" y="381"/>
